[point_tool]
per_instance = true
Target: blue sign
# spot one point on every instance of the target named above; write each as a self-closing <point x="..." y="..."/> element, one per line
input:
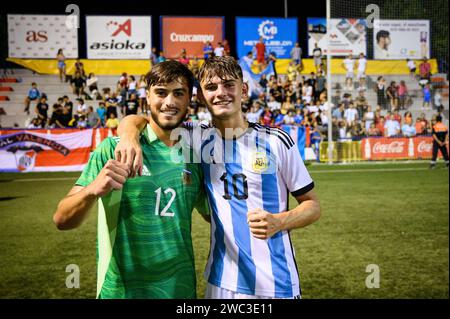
<point x="279" y="35"/>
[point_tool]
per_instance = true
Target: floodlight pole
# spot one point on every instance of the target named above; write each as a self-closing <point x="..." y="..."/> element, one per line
<point x="329" y="113"/>
<point x="285" y="8"/>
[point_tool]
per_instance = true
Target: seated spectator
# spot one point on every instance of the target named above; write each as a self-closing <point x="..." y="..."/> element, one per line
<point x="267" y="117"/>
<point x="79" y="67"/>
<point x="33" y="95"/>
<point x="161" y="57"/>
<point x="351" y="114"/>
<point x="92" y="118"/>
<point x="112" y="122"/>
<point x="101" y="112"/>
<point x="204" y="116"/>
<point x="408" y="129"/>
<point x="42" y="110"/>
<point x="289" y="117"/>
<point x="78" y="83"/>
<point x="91" y="83"/>
<point x="369" y="117"/>
<point x="252" y="116"/>
<point x="273" y="104"/>
<point x="278" y="118"/>
<point x="298" y="118"/>
<point x="35" y="123"/>
<point x="132" y="105"/>
<point x="81" y="107"/>
<point x="380" y="125"/>
<point x="184" y="58"/>
<point x="82" y="123"/>
<point x="402" y="95"/>
<point x="392" y="128"/>
<point x="373" y="130"/>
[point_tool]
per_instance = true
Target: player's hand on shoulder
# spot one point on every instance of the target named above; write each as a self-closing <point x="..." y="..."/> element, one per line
<point x="128" y="151"/>
<point x="263" y="224"/>
<point x="112" y="177"/>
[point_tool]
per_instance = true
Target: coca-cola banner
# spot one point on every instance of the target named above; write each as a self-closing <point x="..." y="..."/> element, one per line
<point x="397" y="148"/>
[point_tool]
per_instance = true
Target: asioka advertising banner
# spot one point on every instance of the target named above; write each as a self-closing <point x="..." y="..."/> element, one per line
<point x="278" y="34"/>
<point x="401" y="39"/>
<point x="347" y="36"/>
<point x="118" y="37"/>
<point x="189" y="33"/>
<point x="41" y="36"/>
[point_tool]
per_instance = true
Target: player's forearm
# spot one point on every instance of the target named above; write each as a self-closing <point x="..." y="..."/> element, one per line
<point x="131" y="125"/>
<point x="73" y="209"/>
<point x="301" y="216"/>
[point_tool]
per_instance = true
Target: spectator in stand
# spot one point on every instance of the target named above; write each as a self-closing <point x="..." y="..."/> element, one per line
<point x="361" y="103"/>
<point x="91" y="83"/>
<point x="380" y="88"/>
<point x="320" y="85"/>
<point x="351" y="115"/>
<point x="161" y="57"/>
<point x="78" y="83"/>
<point x="298" y="118"/>
<point x="61" y="65"/>
<point x="184" y="58"/>
<point x="287" y="105"/>
<point x="315" y="139"/>
<point x="380" y="125"/>
<point x="33" y="95"/>
<point x="369" y="118"/>
<point x="132" y="105"/>
<point x="373" y="130"/>
<point x="278" y="118"/>
<point x="338" y="112"/>
<point x="131" y="85"/>
<point x="226" y="47"/>
<point x="273" y="104"/>
<point x="154" y="57"/>
<point x="252" y="115"/>
<point x="81" y="107"/>
<point x="266" y="118"/>
<point x="292" y="71"/>
<point x="142" y="87"/>
<point x="101" y="112"/>
<point x="82" y="123"/>
<point x="426" y="96"/>
<point x="392" y="94"/>
<point x="195" y="66"/>
<point x="56" y="109"/>
<point x="296" y="55"/>
<point x="408" y="129"/>
<point x="208" y="50"/>
<point x="362" y="65"/>
<point x="260" y="49"/>
<point x="392" y="127"/>
<point x="342" y="130"/>
<point x="402" y="95"/>
<point x="219" y="50"/>
<point x="35" y="123"/>
<point x="317" y="55"/>
<point x="289" y="118"/>
<point x="111" y="105"/>
<point x="204" y="116"/>
<point x="412" y="68"/>
<point x="424" y="72"/>
<point x="437" y="100"/>
<point x="349" y="66"/>
<point x="263" y="82"/>
<point x="92" y="118"/>
<point x="42" y="110"/>
<point x="248" y="59"/>
<point x="112" y="122"/>
<point x="272" y="58"/>
<point x="79" y="67"/>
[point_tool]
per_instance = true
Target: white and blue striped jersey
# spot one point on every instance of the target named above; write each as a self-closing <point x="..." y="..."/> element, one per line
<point x="257" y="170"/>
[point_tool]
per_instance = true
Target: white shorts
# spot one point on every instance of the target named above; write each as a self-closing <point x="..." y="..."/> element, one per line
<point x="349" y="75"/>
<point x="214" y="292"/>
<point x="361" y="75"/>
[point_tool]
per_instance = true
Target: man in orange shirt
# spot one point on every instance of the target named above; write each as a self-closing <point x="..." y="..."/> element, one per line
<point x="260" y="48"/>
<point x="440" y="141"/>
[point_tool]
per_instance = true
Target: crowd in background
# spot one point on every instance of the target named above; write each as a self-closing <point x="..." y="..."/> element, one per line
<point x="289" y="99"/>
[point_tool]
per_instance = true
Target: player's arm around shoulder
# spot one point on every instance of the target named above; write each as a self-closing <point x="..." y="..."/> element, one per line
<point x="129" y="150"/>
<point x="101" y="175"/>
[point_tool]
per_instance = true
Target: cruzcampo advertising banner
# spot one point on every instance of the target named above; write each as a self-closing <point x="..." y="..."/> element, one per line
<point x="279" y="35"/>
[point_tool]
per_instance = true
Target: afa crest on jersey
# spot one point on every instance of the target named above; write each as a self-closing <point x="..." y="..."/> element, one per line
<point x="260" y="162"/>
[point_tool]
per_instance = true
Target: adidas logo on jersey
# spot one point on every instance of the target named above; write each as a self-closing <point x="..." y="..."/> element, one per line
<point x="145" y="171"/>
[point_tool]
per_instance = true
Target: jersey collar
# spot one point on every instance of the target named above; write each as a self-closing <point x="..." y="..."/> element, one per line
<point x="150" y="134"/>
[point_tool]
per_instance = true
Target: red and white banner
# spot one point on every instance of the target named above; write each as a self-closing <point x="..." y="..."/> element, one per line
<point x="118" y="37"/>
<point x="41" y="36"/>
<point x="48" y="150"/>
<point x="420" y="147"/>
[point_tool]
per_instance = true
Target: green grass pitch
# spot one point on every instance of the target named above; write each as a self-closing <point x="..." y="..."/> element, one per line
<point x="393" y="215"/>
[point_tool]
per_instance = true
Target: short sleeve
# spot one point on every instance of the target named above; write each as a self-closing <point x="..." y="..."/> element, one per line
<point x="294" y="172"/>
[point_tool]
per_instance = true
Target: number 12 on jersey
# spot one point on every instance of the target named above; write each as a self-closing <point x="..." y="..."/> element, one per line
<point x="164" y="212"/>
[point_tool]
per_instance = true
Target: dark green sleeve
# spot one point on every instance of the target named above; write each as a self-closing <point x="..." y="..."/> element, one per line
<point x="201" y="203"/>
<point x="97" y="160"/>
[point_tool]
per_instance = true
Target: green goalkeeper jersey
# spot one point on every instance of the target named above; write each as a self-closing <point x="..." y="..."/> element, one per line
<point x="144" y="246"/>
